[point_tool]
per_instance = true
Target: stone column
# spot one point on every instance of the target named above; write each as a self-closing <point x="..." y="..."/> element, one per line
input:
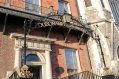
<point x="17" y="62"/>
<point x="48" y="65"/>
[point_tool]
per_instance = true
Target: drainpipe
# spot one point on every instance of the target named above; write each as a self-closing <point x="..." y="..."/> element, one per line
<point x="101" y="51"/>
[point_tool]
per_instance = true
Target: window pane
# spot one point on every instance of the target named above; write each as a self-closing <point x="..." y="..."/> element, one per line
<point x="71" y="60"/>
<point x="29" y="1"/>
<point x="32" y="1"/>
<point x="63" y="7"/>
<point x="32" y="5"/>
<point x="32" y="57"/>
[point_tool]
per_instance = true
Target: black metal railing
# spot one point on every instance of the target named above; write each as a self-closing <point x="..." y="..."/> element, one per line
<point x="37" y="10"/>
<point x="29" y="7"/>
<point x="14" y="75"/>
<point x="83" y="75"/>
<point x="89" y="75"/>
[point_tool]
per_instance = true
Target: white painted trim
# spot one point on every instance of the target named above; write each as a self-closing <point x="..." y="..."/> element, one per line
<point x="78" y="61"/>
<point x="42" y="63"/>
<point x="48" y="65"/>
<point x="41" y="57"/>
<point x="31" y="37"/>
<point x="82" y="8"/>
<point x="17" y="62"/>
<point x="69" y="10"/>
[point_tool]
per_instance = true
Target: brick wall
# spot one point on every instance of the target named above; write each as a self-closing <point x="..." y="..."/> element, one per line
<point x="18" y="3"/>
<point x="6" y="54"/>
<point x="74" y="8"/>
<point x="2" y="1"/>
<point x="48" y="3"/>
<point x="54" y="3"/>
<point x="58" y="53"/>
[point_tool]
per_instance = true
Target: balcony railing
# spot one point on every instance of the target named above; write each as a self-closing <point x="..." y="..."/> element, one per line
<point x="36" y="12"/>
<point x="28" y="7"/>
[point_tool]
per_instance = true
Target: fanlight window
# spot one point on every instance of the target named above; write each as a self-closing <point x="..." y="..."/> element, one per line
<point x="32" y="57"/>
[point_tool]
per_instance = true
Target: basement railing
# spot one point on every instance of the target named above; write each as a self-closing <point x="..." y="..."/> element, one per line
<point x="89" y="75"/>
<point x="14" y="75"/>
<point x="22" y="73"/>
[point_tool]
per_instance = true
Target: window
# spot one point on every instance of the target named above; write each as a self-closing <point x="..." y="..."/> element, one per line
<point x="32" y="5"/>
<point x="88" y="3"/>
<point x="118" y="51"/>
<point x="32" y="57"/>
<point x="63" y="7"/>
<point x="71" y="60"/>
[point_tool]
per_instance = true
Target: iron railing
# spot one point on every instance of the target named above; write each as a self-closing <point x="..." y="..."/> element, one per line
<point x="89" y="75"/>
<point x="29" y="7"/>
<point x="14" y="75"/>
<point x="83" y="75"/>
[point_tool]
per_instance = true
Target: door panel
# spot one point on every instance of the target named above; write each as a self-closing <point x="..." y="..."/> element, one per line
<point x="36" y="70"/>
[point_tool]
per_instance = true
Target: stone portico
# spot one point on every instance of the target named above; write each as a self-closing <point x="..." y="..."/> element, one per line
<point x="35" y="45"/>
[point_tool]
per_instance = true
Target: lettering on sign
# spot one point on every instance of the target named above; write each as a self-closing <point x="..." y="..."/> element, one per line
<point x="44" y="24"/>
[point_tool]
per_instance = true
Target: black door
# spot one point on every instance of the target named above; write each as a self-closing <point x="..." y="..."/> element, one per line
<point x="36" y="70"/>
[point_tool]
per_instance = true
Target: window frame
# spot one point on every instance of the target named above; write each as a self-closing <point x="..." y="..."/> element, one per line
<point x="33" y="6"/>
<point x="75" y="67"/>
<point x="66" y="9"/>
<point x="36" y="60"/>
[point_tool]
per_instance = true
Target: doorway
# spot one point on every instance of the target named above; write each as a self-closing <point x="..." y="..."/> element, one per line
<point x="36" y="71"/>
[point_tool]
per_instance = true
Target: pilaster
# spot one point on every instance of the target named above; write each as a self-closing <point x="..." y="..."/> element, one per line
<point x="17" y="62"/>
<point x="48" y="65"/>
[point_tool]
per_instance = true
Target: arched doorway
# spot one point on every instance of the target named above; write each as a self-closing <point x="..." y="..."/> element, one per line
<point x="35" y="68"/>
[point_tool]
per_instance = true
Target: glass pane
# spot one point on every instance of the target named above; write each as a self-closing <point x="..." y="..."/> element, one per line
<point x="32" y="57"/>
<point x="29" y="1"/>
<point x="33" y="5"/>
<point x="61" y="7"/>
<point x="71" y="60"/>
<point x="66" y="7"/>
<point x="32" y="1"/>
<point x="36" y="2"/>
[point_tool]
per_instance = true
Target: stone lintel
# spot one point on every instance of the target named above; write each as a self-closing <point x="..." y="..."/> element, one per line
<point x="31" y="37"/>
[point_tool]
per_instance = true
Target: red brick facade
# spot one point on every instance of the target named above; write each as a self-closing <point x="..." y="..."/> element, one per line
<point x="46" y="3"/>
<point x="57" y="53"/>
<point x="7" y="51"/>
<point x="6" y="54"/>
<point x="2" y="1"/>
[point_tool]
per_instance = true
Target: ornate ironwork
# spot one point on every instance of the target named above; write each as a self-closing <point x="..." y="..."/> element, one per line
<point x="89" y="75"/>
<point x="44" y="14"/>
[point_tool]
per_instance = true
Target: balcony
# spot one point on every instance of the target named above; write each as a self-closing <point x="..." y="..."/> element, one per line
<point x="24" y="9"/>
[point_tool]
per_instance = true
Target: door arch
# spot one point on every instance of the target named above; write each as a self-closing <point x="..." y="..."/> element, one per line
<point x="36" y="63"/>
